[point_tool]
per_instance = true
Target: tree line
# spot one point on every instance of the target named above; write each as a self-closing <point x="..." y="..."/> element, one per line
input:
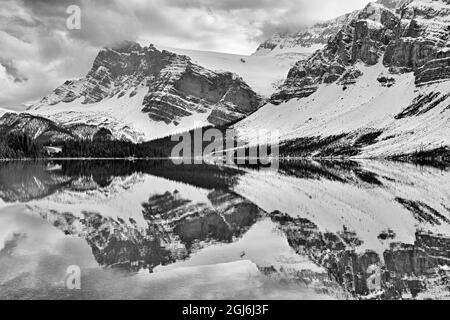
<point x="19" y="146"/>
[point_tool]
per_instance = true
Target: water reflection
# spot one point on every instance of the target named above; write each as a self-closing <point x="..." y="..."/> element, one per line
<point x="311" y="229"/>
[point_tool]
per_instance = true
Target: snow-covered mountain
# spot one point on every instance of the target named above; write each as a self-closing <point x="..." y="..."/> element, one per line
<point x="371" y="83"/>
<point x="141" y="93"/>
<point x="380" y="87"/>
<point x="305" y="41"/>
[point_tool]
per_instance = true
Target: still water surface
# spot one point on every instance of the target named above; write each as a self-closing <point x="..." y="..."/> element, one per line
<point x="152" y="230"/>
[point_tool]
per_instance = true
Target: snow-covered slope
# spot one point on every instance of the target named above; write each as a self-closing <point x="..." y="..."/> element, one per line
<point x="364" y="107"/>
<point x="379" y="88"/>
<point x="263" y="73"/>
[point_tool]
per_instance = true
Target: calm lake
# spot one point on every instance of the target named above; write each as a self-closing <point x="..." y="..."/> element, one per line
<point x="153" y="230"/>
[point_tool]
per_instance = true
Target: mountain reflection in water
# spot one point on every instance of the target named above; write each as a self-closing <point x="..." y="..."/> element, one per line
<point x="145" y="229"/>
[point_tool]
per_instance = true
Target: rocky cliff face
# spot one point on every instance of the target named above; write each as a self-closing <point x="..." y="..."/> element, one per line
<point x="363" y="39"/>
<point x="409" y="37"/>
<point x="422" y="42"/>
<point x="309" y="39"/>
<point x="160" y="85"/>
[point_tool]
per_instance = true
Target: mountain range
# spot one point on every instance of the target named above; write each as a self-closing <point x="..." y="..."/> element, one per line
<point x="379" y="88"/>
<point x="371" y="83"/>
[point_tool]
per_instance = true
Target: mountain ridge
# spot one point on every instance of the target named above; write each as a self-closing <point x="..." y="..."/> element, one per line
<point x="314" y="37"/>
<point x="129" y="83"/>
<point x="378" y="88"/>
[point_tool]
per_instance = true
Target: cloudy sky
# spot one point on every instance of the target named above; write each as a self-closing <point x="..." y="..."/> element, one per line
<point x="38" y="52"/>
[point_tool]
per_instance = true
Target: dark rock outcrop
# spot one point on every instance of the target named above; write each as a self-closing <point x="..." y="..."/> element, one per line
<point x="434" y="70"/>
<point x="422" y="104"/>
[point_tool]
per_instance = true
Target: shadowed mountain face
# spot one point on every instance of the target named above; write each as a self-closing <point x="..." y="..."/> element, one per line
<point x="388" y="240"/>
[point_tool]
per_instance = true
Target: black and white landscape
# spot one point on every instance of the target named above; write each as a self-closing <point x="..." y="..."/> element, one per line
<point x="357" y="207"/>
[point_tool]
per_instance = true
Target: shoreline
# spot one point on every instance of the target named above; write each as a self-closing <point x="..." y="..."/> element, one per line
<point x="400" y="158"/>
<point x="425" y="161"/>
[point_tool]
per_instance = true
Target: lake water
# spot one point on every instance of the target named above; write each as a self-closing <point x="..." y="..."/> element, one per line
<point x="153" y="230"/>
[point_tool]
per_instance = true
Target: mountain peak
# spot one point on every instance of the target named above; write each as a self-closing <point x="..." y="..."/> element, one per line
<point x="125" y="46"/>
<point x="135" y="82"/>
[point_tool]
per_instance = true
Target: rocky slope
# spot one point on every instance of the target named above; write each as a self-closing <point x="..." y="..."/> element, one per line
<point x="383" y="76"/>
<point x="141" y="93"/>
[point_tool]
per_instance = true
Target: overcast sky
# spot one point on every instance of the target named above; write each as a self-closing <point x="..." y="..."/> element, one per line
<point x="38" y="52"/>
